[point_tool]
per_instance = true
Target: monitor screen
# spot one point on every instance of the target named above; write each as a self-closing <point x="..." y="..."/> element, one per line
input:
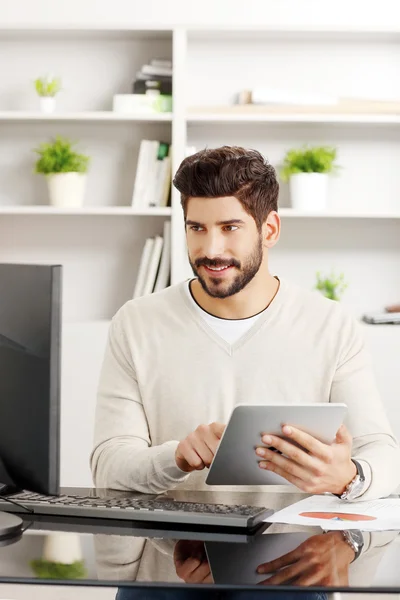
<point x="30" y="332"/>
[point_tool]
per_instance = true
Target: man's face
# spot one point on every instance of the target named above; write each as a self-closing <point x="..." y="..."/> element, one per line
<point x="224" y="246"/>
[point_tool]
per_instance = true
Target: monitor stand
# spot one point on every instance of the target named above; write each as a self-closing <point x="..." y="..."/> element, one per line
<point x="10" y="527"/>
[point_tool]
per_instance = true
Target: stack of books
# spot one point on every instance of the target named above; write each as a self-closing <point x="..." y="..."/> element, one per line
<point x="155" y="264"/>
<point x="154" y="78"/>
<point x="152" y="187"/>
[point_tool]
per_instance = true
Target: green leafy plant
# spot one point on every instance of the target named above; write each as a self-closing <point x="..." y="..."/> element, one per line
<point x="332" y="287"/>
<point x="308" y="159"/>
<point x="45" y="569"/>
<point x="58" y="156"/>
<point x="48" y="86"/>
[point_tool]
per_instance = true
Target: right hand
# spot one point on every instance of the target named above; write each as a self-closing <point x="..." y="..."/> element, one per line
<point x="197" y="450"/>
<point x="321" y="560"/>
<point x="191" y="564"/>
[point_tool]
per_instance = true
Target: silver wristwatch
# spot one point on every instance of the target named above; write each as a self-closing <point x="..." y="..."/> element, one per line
<point x="355" y="539"/>
<point x="356" y="486"/>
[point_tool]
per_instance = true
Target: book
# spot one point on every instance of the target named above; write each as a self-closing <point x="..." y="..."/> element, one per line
<point x="154" y="70"/>
<point x="143" y="169"/>
<point x="153" y="265"/>
<point x="143" y="267"/>
<point x="161" y="62"/>
<point x="164" y="271"/>
<point x="153" y="175"/>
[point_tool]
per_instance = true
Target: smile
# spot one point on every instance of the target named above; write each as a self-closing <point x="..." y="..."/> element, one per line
<point x="215" y="270"/>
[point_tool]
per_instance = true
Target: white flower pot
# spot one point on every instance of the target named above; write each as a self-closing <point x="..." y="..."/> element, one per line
<point x="62" y="548"/>
<point x="309" y="191"/>
<point x="47" y="104"/>
<point x="66" y="190"/>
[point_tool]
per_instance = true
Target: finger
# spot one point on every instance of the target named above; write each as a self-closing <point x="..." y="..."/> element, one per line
<point x="269" y="466"/>
<point x="203" y="451"/>
<point x="286" y="574"/>
<point x="191" y="457"/>
<point x="291" y="465"/>
<point x="279" y="563"/>
<point x="343" y="436"/>
<point x="290" y="450"/>
<point x="187" y="567"/>
<point x="199" y="574"/>
<point x="211" y="440"/>
<point x="307" y="441"/>
<point x="218" y="429"/>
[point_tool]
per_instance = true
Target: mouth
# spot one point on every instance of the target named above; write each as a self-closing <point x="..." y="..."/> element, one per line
<point x="217" y="271"/>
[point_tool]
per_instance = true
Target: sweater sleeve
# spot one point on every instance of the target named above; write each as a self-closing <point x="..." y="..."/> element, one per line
<point x="122" y="457"/>
<point x="374" y="444"/>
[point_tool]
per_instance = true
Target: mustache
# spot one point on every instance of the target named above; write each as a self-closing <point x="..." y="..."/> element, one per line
<point x="216" y="262"/>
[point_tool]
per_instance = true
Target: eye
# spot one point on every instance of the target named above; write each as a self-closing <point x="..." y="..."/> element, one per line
<point x="231" y="227"/>
<point x="196" y="228"/>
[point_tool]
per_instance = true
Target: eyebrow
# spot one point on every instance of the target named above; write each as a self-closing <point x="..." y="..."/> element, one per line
<point x="228" y="222"/>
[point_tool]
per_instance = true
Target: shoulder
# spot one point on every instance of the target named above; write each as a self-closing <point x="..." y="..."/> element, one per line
<point x="322" y="314"/>
<point x="152" y="306"/>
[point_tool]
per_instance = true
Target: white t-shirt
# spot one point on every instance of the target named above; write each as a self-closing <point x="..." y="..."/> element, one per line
<point x="229" y="330"/>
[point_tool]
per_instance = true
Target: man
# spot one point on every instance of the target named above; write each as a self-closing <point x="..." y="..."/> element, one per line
<point x="178" y="361"/>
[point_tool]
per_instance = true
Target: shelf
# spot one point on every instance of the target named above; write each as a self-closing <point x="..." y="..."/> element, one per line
<point x="285" y="32"/>
<point x="107" y="211"/>
<point x="387" y="115"/>
<point x="330" y="214"/>
<point x="94" y="116"/>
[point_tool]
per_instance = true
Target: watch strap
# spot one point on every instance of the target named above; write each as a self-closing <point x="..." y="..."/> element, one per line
<point x="356" y="485"/>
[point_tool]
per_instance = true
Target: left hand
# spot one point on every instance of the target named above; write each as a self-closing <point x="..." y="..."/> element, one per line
<point x="318" y="468"/>
<point x="321" y="560"/>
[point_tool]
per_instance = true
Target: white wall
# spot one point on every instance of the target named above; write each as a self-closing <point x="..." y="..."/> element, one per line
<point x="310" y="13"/>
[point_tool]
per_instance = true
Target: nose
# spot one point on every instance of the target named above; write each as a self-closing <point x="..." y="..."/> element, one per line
<point x="213" y="245"/>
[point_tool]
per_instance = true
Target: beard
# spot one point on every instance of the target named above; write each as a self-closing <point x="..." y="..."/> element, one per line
<point x="245" y="274"/>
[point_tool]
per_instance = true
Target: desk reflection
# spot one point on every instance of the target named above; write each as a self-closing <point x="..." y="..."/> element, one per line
<point x="283" y="555"/>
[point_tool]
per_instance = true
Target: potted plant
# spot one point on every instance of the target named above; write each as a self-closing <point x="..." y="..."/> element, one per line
<point x="47" y="89"/>
<point x="65" y="171"/>
<point x="307" y="170"/>
<point x="332" y="287"/>
<point x="61" y="558"/>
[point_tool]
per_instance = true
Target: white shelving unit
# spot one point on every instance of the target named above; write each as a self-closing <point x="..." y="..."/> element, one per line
<point x="100" y="253"/>
<point x="203" y="115"/>
<point x="359" y="235"/>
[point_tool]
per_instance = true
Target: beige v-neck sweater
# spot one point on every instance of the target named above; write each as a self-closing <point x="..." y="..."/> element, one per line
<point x="166" y="371"/>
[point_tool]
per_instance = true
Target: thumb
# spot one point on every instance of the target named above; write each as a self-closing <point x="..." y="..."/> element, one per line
<point x="343" y="436"/>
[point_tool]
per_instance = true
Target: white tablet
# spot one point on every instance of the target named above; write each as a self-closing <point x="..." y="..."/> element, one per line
<point x="236" y="463"/>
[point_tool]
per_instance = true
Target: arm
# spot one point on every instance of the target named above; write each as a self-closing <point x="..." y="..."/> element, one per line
<point x="374" y="444"/>
<point x="122" y="457"/>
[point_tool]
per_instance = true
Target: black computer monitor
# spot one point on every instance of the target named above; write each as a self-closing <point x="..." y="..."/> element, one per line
<point x="30" y="332"/>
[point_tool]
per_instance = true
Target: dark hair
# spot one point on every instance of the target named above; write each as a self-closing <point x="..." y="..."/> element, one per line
<point x="230" y="171"/>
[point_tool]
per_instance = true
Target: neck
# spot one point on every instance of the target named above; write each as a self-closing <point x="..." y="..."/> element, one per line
<point x="253" y="299"/>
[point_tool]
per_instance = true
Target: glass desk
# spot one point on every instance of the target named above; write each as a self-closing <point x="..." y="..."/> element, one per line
<point x="127" y="561"/>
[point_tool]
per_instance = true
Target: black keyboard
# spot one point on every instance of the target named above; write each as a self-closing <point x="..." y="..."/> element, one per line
<point x="136" y="508"/>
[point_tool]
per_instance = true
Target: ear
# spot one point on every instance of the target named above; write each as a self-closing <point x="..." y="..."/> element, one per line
<point x="271" y="229"/>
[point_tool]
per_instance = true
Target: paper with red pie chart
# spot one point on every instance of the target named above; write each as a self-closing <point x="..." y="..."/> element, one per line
<point x="329" y="512"/>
